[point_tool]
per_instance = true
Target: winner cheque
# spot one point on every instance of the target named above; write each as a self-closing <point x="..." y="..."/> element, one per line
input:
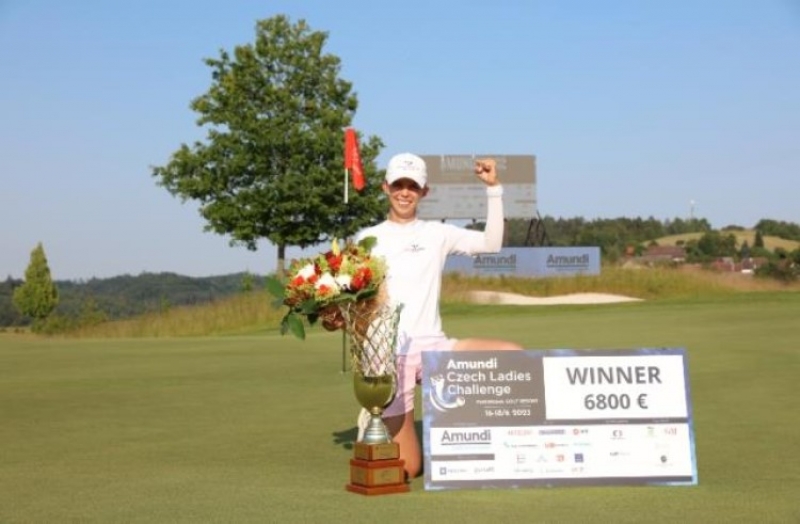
<point x="559" y="417"/>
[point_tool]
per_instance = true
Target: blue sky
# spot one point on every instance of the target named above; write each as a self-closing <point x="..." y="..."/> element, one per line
<point x="633" y="108"/>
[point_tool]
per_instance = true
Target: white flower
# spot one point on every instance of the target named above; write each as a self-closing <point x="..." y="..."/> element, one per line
<point x="344" y="281"/>
<point x="306" y="271"/>
<point x="328" y="281"/>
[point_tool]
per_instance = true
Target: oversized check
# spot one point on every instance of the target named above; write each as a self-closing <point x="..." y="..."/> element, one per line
<point x="559" y="417"/>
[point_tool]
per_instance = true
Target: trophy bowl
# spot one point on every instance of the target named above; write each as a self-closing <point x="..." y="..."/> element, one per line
<point x="374" y="393"/>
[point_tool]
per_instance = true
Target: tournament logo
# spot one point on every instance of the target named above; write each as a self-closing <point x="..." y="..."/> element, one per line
<point x="440" y="400"/>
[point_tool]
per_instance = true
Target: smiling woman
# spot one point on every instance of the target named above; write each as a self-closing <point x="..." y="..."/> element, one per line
<point x="415" y="252"/>
<point x="406" y="185"/>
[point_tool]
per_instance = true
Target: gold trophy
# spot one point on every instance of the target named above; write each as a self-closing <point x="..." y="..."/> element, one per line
<point x="375" y="468"/>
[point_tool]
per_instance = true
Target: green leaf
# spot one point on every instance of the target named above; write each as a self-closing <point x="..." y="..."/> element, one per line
<point x="275" y="287"/>
<point x="365" y="293"/>
<point x="367" y="243"/>
<point x="308" y="307"/>
<point x="296" y="326"/>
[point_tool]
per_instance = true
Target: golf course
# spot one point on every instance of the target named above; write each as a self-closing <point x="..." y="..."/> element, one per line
<point x="259" y="427"/>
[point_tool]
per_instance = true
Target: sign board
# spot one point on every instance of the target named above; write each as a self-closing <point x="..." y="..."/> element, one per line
<point x="508" y="419"/>
<point x="456" y="193"/>
<point x="529" y="262"/>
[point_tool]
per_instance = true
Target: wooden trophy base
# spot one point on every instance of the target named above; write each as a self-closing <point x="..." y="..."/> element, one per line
<point x="376" y="469"/>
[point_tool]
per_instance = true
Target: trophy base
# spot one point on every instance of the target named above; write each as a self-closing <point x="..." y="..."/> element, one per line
<point x="377" y="477"/>
<point x="378" y="490"/>
<point x="388" y="451"/>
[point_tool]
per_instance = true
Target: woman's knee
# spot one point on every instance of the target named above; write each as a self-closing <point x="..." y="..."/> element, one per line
<point x="507" y="345"/>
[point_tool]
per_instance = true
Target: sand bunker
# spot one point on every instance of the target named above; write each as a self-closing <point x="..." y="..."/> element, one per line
<point x="496" y="297"/>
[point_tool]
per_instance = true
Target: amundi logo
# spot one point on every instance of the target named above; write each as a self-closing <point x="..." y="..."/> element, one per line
<point x="467" y="437"/>
<point x="495" y="261"/>
<point x="568" y="261"/>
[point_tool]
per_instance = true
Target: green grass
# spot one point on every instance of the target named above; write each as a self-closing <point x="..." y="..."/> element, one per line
<point x="258" y="427"/>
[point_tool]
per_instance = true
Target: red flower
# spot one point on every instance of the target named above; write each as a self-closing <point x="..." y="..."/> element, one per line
<point x="334" y="261"/>
<point x="361" y="278"/>
<point x="298" y="281"/>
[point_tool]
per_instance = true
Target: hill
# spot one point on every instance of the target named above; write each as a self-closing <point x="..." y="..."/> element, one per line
<point x="127" y="296"/>
<point x="770" y="242"/>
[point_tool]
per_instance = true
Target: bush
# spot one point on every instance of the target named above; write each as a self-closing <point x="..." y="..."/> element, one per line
<point x="782" y="270"/>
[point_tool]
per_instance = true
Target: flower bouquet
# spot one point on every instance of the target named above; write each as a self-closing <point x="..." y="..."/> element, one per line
<point x="344" y="288"/>
<point x="318" y="287"/>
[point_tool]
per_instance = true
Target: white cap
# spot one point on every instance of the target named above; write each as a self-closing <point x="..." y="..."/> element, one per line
<point x="406" y="165"/>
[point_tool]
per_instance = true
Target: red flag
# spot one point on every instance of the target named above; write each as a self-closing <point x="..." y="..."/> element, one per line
<point x="352" y="159"/>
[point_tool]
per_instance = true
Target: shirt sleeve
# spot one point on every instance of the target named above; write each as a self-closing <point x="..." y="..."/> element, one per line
<point x="490" y="240"/>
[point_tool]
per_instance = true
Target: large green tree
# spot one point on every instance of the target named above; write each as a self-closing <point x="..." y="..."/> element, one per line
<point x="37" y="296"/>
<point x="271" y="166"/>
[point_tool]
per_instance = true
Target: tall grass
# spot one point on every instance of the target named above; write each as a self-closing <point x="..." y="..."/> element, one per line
<point x="244" y="312"/>
<point x="252" y="311"/>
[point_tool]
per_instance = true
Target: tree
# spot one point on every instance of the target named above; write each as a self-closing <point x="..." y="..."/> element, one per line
<point x="9" y="314"/>
<point x="744" y="250"/>
<point x="714" y="244"/>
<point x="272" y="163"/>
<point x="247" y="282"/>
<point x="759" y="240"/>
<point x="38" y="295"/>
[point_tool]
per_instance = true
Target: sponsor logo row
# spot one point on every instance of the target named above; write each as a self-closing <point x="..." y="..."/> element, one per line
<point x="546" y="436"/>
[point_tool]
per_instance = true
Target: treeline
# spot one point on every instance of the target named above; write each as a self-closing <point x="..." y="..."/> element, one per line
<point x="787" y="230"/>
<point x="612" y="235"/>
<point x="96" y="300"/>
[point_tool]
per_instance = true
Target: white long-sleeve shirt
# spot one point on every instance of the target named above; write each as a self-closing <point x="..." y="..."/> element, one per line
<point x="415" y="254"/>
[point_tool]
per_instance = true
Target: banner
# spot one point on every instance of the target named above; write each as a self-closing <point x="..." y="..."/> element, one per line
<point x="507" y="419"/>
<point x="529" y="262"/>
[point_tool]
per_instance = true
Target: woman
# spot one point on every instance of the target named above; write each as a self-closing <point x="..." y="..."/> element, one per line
<point x="415" y="252"/>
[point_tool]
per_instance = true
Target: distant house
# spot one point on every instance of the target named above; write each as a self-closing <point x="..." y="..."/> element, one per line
<point x="746" y="265"/>
<point x="662" y="254"/>
<point x="723" y="264"/>
<point x="750" y="264"/>
<point x="655" y="255"/>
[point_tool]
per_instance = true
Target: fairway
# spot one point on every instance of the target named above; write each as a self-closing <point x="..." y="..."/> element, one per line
<point x="258" y="428"/>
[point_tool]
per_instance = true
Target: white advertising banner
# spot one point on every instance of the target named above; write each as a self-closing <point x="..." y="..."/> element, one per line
<point x="529" y="262"/>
